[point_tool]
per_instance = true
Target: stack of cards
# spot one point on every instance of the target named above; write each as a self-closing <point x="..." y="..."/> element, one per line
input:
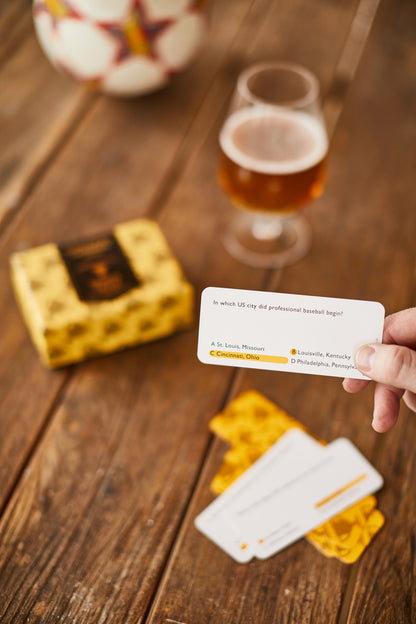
<point x="297" y="485"/>
<point x="251" y="424"/>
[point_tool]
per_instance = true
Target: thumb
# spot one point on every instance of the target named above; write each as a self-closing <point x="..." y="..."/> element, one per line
<point x="392" y="365"/>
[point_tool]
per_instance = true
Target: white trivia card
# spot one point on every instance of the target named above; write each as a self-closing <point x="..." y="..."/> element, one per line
<point x="284" y="332"/>
<point x="289" y="457"/>
<point x="340" y="478"/>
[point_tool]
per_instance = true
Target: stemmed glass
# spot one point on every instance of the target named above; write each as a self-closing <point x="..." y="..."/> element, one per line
<point x="272" y="162"/>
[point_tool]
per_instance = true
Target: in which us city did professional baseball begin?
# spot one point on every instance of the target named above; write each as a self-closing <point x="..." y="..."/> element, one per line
<point x="285" y="332"/>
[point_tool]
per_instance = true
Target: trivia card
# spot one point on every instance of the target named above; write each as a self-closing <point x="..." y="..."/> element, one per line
<point x="337" y="480"/>
<point x="284" y="332"/>
<point x="293" y="454"/>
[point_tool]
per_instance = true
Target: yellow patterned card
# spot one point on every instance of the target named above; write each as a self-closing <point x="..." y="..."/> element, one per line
<point x="251" y="424"/>
<point x="346" y="535"/>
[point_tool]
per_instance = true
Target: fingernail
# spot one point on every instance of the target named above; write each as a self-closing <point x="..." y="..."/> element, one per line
<point x="374" y="425"/>
<point x="364" y="358"/>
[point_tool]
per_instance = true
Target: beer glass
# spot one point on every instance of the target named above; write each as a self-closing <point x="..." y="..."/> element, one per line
<point x="272" y="162"/>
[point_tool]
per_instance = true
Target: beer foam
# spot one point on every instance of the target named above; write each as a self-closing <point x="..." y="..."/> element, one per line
<point x="281" y="131"/>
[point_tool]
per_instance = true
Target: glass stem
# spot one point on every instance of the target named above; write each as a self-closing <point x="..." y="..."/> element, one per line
<point x="267" y="228"/>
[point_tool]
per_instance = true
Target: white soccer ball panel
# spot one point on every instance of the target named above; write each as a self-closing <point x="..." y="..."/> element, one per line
<point x="45" y="33"/>
<point x="134" y="75"/>
<point x="178" y="43"/>
<point x="103" y="10"/>
<point x="164" y="9"/>
<point x="85" y="49"/>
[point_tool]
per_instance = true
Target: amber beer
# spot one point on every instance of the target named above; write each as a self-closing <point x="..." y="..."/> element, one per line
<point x="272" y="161"/>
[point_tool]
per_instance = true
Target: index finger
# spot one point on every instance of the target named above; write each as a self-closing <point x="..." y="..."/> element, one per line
<point x="400" y="328"/>
<point x="354" y="385"/>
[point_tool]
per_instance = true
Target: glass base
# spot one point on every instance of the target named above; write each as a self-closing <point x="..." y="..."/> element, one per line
<point x="268" y="242"/>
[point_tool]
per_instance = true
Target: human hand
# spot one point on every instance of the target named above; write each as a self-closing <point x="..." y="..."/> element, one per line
<point x="392" y="365"/>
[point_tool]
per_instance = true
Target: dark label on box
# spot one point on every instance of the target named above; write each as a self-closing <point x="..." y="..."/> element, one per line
<point x="98" y="268"/>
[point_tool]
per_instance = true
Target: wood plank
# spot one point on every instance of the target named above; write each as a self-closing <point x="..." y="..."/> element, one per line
<point x="35" y="107"/>
<point x="108" y="476"/>
<point x="197" y="587"/>
<point x="82" y="461"/>
<point x="384" y="591"/>
<point x="104" y="176"/>
<point x="38" y="109"/>
<point x="124" y="448"/>
<point x="15" y="25"/>
<point x="349" y="61"/>
<point x="343" y="262"/>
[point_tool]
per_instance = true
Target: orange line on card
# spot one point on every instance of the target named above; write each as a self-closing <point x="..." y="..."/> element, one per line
<point x="341" y="490"/>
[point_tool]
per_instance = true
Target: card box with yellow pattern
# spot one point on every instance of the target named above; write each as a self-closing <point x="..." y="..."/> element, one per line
<point x="96" y="296"/>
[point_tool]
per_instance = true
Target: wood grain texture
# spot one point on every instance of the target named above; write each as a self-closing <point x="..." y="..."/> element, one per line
<point x="15" y="25"/>
<point x="65" y="484"/>
<point x="110" y="171"/>
<point x="105" y="465"/>
<point x="385" y="590"/>
<point x="100" y="503"/>
<point x="353" y="229"/>
<point x="107" y="174"/>
<point x="305" y="587"/>
<point x="38" y="108"/>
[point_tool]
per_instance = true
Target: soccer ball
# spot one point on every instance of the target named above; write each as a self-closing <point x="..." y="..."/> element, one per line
<point x="121" y="47"/>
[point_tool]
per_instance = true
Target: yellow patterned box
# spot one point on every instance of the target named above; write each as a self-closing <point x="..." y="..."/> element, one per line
<point x="96" y="296"/>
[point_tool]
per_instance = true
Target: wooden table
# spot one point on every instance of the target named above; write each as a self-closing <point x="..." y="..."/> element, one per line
<point x="105" y="465"/>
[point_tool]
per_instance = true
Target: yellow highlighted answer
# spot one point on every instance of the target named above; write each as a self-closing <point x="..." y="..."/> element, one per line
<point x="254" y="357"/>
<point x="346" y="487"/>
